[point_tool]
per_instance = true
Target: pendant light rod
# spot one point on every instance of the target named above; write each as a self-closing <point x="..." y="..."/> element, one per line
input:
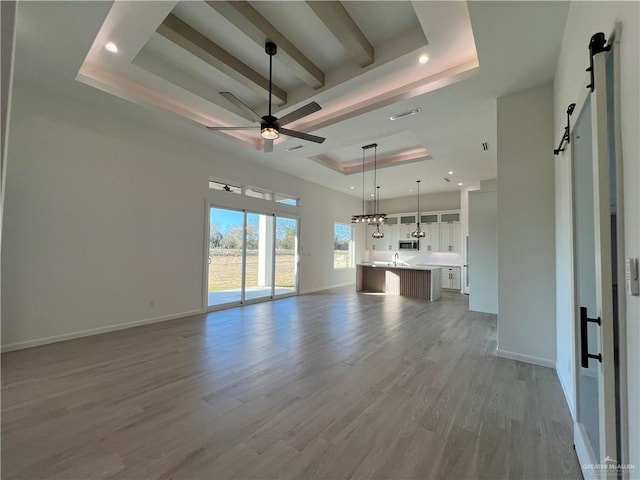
<point x="270" y="71"/>
<point x="362" y="180"/>
<point x="375" y="178"/>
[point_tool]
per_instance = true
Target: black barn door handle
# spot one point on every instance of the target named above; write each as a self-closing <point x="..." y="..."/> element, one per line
<point x="584" y="339"/>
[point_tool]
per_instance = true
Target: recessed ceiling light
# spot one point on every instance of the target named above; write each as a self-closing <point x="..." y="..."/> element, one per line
<point x="459" y="184"/>
<point x="111" y="47"/>
<point x="411" y="189"/>
<point x="372" y="195"/>
<point x="351" y="188"/>
<point x="450" y="173"/>
<point x="424" y="58"/>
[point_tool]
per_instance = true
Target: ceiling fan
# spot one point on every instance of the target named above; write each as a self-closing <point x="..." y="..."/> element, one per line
<point x="270" y="126"/>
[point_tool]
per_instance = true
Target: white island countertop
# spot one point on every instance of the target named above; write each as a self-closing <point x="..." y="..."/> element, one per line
<point x="399" y="265"/>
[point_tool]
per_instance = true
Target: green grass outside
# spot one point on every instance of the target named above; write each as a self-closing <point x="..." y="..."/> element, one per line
<point x="341" y="259"/>
<point x="225" y="271"/>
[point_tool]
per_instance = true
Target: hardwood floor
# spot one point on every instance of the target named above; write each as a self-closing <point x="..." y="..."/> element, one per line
<point x="332" y="385"/>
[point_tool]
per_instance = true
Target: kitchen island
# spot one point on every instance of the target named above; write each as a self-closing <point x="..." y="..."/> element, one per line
<point x="418" y="281"/>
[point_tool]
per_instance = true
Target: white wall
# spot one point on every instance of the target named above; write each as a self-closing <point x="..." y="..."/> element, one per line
<point x="483" y="251"/>
<point x="585" y="19"/>
<point x="103" y="214"/>
<point x="526" y="238"/>
<point x="464" y="227"/>
<point x="429" y="202"/>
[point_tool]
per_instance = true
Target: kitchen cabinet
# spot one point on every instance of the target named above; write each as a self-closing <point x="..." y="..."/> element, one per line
<point x="407" y="225"/>
<point x="390" y="239"/>
<point x="376" y="244"/>
<point x="450" y="217"/>
<point x="431" y="241"/>
<point x="451" y="278"/>
<point x="450" y="237"/>
<point x="442" y="232"/>
<point x="405" y="232"/>
<point x="370" y="242"/>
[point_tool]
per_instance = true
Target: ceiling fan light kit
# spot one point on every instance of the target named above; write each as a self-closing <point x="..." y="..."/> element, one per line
<point x="270" y="125"/>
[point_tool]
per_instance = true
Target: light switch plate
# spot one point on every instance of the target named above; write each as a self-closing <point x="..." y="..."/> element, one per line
<point x="631" y="276"/>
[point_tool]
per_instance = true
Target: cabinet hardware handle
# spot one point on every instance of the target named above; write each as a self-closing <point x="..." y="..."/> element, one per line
<point x="584" y="340"/>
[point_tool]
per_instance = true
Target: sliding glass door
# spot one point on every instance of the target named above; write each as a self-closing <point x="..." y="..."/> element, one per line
<point x="258" y="280"/>
<point x="226" y="251"/>
<point x="251" y="257"/>
<point x="286" y="256"/>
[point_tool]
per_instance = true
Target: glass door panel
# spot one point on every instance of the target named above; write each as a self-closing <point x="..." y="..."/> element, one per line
<point x="259" y="257"/>
<point x="226" y="244"/>
<point x="586" y="273"/>
<point x="286" y="256"/>
<point x="596" y="432"/>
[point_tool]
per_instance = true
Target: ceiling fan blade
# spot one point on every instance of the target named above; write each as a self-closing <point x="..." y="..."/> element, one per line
<point x="236" y="101"/>
<point x="303" y="111"/>
<point x="268" y="146"/>
<point x="232" y="128"/>
<point x="302" y="135"/>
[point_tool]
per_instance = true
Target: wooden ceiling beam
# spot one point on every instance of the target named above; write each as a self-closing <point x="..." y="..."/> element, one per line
<point x="248" y="20"/>
<point x="185" y="36"/>
<point x="342" y="26"/>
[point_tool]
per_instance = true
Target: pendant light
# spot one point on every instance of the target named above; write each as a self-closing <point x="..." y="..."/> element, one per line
<point x="377" y="233"/>
<point x="375" y="217"/>
<point x="418" y="233"/>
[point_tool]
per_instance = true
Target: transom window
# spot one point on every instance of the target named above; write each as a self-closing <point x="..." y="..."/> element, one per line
<point x="254" y="192"/>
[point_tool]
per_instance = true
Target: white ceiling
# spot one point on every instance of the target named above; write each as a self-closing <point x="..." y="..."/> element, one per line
<point x="478" y="52"/>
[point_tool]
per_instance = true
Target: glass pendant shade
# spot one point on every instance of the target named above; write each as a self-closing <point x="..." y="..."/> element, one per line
<point x="418" y="233"/>
<point x="269" y="133"/>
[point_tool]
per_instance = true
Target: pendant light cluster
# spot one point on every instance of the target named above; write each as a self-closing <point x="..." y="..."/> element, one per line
<point x="375" y="217"/>
<point x="418" y="233"/>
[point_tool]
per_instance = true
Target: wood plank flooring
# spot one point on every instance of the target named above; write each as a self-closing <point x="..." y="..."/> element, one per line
<point x="329" y="386"/>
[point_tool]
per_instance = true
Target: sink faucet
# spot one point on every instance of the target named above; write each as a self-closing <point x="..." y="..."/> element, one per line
<point x="395" y="259"/>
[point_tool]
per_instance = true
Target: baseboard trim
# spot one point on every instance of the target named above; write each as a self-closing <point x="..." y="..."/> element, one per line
<point x="521" y="357"/>
<point x="323" y="289"/>
<point x="566" y="395"/>
<point x="94" y="331"/>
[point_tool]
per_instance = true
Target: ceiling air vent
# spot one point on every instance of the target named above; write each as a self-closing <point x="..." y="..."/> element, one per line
<point x="446" y="179"/>
<point x="485" y="146"/>
<point x="398" y="116"/>
<point x="297" y="147"/>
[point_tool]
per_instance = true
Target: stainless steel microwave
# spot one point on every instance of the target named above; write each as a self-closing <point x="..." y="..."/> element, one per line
<point x="409" y="245"/>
